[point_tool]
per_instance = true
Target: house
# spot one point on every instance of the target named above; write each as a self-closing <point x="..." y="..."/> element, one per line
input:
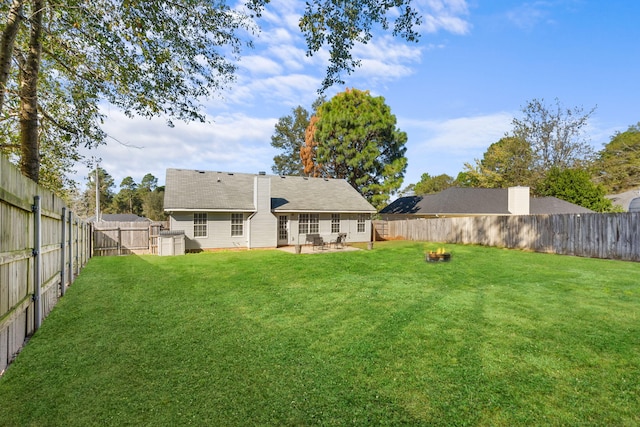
<point x="459" y="202"/>
<point x="628" y="200"/>
<point x="240" y="210"/>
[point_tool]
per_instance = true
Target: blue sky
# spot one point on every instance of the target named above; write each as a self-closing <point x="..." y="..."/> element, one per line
<point x="454" y="93"/>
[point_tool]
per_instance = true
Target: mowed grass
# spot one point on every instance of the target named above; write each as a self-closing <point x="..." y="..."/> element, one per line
<point x="495" y="337"/>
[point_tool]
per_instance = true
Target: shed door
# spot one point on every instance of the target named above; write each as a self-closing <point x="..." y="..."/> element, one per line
<point x="283" y="230"/>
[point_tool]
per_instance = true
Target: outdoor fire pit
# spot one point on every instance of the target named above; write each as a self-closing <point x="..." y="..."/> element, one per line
<point x="438" y="256"/>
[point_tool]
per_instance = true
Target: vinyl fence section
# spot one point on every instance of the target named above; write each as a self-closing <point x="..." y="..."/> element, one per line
<point x="614" y="236"/>
<point x="43" y="247"/>
<point x="124" y="238"/>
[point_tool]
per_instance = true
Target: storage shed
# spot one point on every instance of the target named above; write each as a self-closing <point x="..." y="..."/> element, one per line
<point x="171" y="243"/>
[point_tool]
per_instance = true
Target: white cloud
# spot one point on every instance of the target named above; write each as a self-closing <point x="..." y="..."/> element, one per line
<point x="230" y="142"/>
<point x="465" y="133"/>
<point x="444" y="146"/>
<point x="285" y="90"/>
<point x="444" y="15"/>
<point x="528" y="15"/>
<point x="260" y="65"/>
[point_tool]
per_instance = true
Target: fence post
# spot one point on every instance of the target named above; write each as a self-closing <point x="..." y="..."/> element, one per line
<point x="37" y="247"/>
<point x="119" y="241"/>
<point x="63" y="250"/>
<point x="77" y="252"/>
<point x="70" y="248"/>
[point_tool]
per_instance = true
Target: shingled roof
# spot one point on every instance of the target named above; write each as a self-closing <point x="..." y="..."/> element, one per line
<point x="224" y="191"/>
<point x="474" y="201"/>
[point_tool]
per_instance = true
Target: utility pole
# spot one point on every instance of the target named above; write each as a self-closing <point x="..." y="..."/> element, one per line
<point x="97" y="194"/>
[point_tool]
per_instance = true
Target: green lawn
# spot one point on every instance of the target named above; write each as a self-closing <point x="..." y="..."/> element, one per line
<point x="495" y="337"/>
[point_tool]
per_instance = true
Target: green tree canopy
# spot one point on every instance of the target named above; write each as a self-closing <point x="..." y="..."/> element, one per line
<point x="356" y="139"/>
<point x="506" y="163"/>
<point x="289" y="138"/>
<point x="153" y="205"/>
<point x="148" y="183"/>
<point x="617" y="167"/>
<point x="60" y="60"/>
<point x="105" y="191"/>
<point x="127" y="200"/>
<point x="432" y="184"/>
<point x="575" y="186"/>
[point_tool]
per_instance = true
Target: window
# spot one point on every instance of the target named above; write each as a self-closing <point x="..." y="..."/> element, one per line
<point x="362" y="221"/>
<point x="309" y="223"/>
<point x="335" y="223"/>
<point x="237" y="224"/>
<point x="199" y="225"/>
<point x="283" y="228"/>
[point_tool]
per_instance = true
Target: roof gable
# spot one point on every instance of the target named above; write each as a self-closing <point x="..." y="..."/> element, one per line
<point x="206" y="190"/>
<point x="222" y="191"/>
<point x="296" y="193"/>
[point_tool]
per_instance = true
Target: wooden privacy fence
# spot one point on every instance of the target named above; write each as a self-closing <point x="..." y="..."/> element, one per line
<point x="594" y="235"/>
<point x="43" y="246"/>
<point x="123" y="238"/>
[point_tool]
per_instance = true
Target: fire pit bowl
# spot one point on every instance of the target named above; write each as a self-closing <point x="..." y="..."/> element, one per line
<point x="438" y="257"/>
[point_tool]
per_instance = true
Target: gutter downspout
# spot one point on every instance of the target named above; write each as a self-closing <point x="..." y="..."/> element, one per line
<point x="249" y="229"/>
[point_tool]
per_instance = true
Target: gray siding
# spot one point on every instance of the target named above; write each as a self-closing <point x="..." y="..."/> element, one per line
<point x="348" y="225"/>
<point x="263" y="229"/>
<point x="263" y="224"/>
<point x="218" y="231"/>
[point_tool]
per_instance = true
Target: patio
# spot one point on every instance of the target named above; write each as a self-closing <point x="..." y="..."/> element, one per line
<point x="310" y="249"/>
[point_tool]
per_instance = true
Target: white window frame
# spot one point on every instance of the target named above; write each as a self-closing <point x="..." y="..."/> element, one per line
<point x="200" y="225"/>
<point x="309" y="224"/>
<point x="335" y="223"/>
<point x="362" y="223"/>
<point x="237" y="224"/>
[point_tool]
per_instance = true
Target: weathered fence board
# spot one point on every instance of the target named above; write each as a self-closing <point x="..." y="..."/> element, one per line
<point x="124" y="238"/>
<point x="594" y="235"/>
<point x="34" y="228"/>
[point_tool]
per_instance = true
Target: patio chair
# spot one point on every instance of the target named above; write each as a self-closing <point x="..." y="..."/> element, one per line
<point x="339" y="242"/>
<point x="318" y="243"/>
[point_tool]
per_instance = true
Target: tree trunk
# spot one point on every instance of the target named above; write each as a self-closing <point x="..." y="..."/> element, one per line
<point x="6" y="46"/>
<point x="30" y="161"/>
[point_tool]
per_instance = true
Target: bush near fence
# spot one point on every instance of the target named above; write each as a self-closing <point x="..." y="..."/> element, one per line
<point x="594" y="235"/>
<point x="43" y="246"/>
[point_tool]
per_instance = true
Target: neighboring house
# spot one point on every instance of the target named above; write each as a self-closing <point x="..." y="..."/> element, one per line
<point x="628" y="200"/>
<point x="119" y="218"/>
<point x="458" y="202"/>
<point x="229" y="210"/>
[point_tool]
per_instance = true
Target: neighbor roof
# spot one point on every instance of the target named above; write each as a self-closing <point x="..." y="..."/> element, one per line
<point x="453" y="201"/>
<point x="225" y="191"/>
<point x="475" y="201"/>
<point x="119" y="218"/>
<point x="553" y="205"/>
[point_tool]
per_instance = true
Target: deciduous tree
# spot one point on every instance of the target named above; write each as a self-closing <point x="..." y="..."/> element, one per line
<point x="356" y="139"/>
<point x="506" y="163"/>
<point x="151" y="58"/>
<point x="432" y="184"/>
<point x="575" y="186"/>
<point x="555" y="134"/>
<point x="617" y="167"/>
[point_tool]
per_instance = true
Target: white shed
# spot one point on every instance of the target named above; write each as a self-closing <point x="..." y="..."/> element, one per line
<point x="171" y="243"/>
